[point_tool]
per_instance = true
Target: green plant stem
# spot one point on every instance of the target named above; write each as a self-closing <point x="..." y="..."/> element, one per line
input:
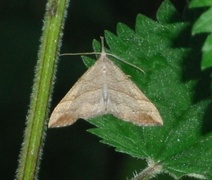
<point x="151" y="171"/>
<point x="34" y="135"/>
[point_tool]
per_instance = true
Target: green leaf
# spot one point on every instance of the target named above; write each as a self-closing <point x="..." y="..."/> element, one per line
<point x="200" y="3"/>
<point x="167" y="13"/>
<point x="207" y="53"/>
<point x="204" y="23"/>
<point x="179" y="146"/>
<point x="187" y="145"/>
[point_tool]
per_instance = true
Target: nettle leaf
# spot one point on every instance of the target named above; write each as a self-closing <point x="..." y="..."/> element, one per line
<point x="179" y="146"/>
<point x="204" y="25"/>
<point x="200" y="3"/>
<point x="207" y="53"/>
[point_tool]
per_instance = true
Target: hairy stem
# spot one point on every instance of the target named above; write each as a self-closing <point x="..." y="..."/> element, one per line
<point x="151" y="171"/>
<point x="34" y="134"/>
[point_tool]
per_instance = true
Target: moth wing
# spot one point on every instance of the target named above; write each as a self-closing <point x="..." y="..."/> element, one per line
<point x="127" y="101"/>
<point x="84" y="100"/>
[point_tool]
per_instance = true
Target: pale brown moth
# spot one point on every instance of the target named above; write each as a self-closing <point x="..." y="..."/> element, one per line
<point x="105" y="89"/>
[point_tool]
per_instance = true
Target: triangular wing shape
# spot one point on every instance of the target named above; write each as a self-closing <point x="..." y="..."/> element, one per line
<point x="84" y="100"/>
<point x="105" y="89"/>
<point x="126" y="101"/>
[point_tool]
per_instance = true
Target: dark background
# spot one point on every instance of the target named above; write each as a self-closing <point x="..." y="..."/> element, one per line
<point x="69" y="153"/>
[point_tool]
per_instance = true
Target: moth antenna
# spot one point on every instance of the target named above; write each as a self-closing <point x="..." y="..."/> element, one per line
<point x="104" y="53"/>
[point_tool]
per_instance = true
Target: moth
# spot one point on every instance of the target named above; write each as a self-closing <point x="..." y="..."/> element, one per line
<point x="105" y="89"/>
